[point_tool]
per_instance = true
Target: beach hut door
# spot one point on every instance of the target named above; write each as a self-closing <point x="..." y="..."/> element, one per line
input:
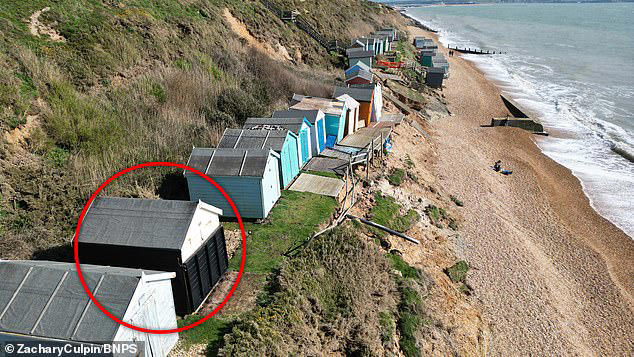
<point x="304" y="139"/>
<point x="321" y="137"/>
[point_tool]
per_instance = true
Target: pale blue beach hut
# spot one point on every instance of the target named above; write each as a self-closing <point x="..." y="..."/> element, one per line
<point x="283" y="142"/>
<point x="249" y="176"/>
<point x="300" y="126"/>
<point x="318" y="130"/>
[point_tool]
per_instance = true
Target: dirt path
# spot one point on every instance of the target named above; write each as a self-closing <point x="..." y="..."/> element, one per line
<point x="554" y="276"/>
<point x="37" y="28"/>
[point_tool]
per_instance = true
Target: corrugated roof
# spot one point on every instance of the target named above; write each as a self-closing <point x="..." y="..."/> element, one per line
<point x="231" y="162"/>
<point x="328" y="106"/>
<point x="361" y="54"/>
<point x="254" y="139"/>
<point x="291" y="124"/>
<point x="353" y="50"/>
<point x="46" y="299"/>
<point x="135" y="222"/>
<point x="359" y="94"/>
<point x="310" y="115"/>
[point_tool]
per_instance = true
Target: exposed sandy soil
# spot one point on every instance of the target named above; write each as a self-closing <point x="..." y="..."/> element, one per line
<point x="554" y="276"/>
<point x="238" y="27"/>
<point x="37" y="28"/>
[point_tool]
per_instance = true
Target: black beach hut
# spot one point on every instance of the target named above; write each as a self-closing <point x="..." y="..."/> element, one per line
<point x="175" y="236"/>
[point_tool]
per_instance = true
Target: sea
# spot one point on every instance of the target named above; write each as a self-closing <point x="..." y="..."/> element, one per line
<point x="572" y="66"/>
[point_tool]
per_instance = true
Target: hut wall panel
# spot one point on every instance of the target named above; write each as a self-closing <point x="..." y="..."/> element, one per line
<point x="246" y="193"/>
<point x="271" y="191"/>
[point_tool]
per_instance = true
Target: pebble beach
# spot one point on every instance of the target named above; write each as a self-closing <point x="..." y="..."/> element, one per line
<point x="553" y="275"/>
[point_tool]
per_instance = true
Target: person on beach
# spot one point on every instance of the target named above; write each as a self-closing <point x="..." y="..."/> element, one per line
<point x="497" y="166"/>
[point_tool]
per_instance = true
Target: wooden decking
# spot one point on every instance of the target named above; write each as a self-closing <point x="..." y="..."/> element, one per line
<point x="364" y="136"/>
<point x="328" y="164"/>
<point x="320" y="185"/>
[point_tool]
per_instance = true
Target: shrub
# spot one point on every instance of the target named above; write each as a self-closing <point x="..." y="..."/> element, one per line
<point x="386" y="321"/>
<point x="396" y="177"/>
<point x="458" y="272"/>
<point x="386" y="212"/>
<point x="456" y="201"/>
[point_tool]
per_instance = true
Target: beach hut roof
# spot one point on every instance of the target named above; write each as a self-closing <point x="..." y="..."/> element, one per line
<point x="428" y="52"/>
<point x="361" y="54"/>
<point x="46" y="299"/>
<point x="351" y="50"/>
<point x="359" y="65"/>
<point x="360" y="73"/>
<point x="328" y="106"/>
<point x="435" y="70"/>
<point x="135" y="222"/>
<point x="350" y="102"/>
<point x="360" y="94"/>
<point x="254" y="139"/>
<point x="310" y="115"/>
<point x="230" y="162"/>
<point x="292" y="124"/>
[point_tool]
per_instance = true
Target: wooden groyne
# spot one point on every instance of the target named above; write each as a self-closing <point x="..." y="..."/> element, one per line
<point x="475" y="51"/>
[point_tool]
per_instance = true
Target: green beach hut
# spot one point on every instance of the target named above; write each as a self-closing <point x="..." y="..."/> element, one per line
<point x="284" y="142"/>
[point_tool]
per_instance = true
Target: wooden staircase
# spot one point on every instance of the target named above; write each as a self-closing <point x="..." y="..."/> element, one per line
<point x="299" y="21"/>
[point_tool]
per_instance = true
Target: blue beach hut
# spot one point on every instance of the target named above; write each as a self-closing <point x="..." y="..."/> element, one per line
<point x="249" y="176"/>
<point x="357" y="67"/>
<point x="283" y="142"/>
<point x="318" y="130"/>
<point x="300" y="126"/>
<point x="335" y="114"/>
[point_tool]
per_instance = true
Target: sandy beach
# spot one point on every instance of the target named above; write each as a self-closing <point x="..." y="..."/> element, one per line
<point x="555" y="278"/>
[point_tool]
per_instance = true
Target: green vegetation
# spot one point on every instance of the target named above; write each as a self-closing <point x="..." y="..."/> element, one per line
<point x="410" y="308"/>
<point x="321" y="173"/>
<point x="132" y="82"/>
<point x="295" y="217"/>
<point x="386" y="321"/>
<point x="386" y="212"/>
<point x="407" y="271"/>
<point x="409" y="162"/>
<point x="396" y="177"/>
<point x="458" y="272"/>
<point x="330" y="284"/>
<point x="456" y="201"/>
<point x="211" y="333"/>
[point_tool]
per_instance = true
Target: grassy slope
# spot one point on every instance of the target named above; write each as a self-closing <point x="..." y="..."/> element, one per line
<point x="135" y="81"/>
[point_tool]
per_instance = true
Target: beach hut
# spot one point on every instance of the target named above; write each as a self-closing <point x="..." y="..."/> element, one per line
<point x="419" y="42"/>
<point x="390" y="32"/>
<point x="368" y="42"/>
<point x="358" y="44"/>
<point x="365" y="57"/>
<point x="352" y="114"/>
<point x="377" y="102"/>
<point x="334" y="111"/>
<point x="360" y="76"/>
<point x="440" y="61"/>
<point x="317" y="119"/>
<point x="365" y="98"/>
<point x="383" y="41"/>
<point x="182" y="237"/>
<point x="351" y="50"/>
<point x="426" y="57"/>
<point x="43" y="301"/>
<point x="300" y="126"/>
<point x="283" y="142"/>
<point x="357" y="67"/>
<point x="430" y="44"/>
<point x="249" y="176"/>
<point x="434" y="77"/>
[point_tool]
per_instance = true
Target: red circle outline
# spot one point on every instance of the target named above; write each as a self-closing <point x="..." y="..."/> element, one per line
<point x="81" y="220"/>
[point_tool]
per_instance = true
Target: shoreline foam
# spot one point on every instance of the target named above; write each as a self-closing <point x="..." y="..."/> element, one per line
<point x="602" y="186"/>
